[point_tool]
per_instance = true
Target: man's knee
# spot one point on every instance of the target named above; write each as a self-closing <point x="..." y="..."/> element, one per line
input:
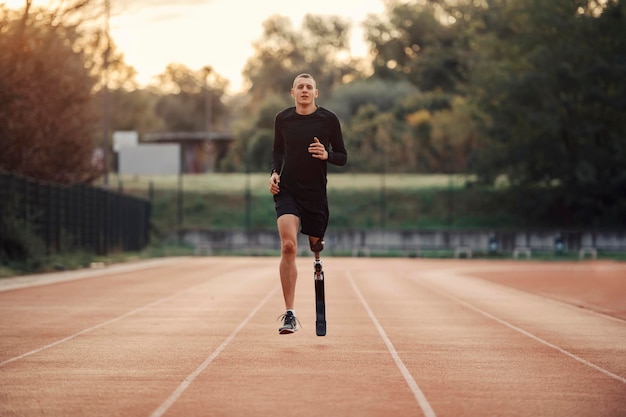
<point x="289" y="247"/>
<point x="316" y="245"/>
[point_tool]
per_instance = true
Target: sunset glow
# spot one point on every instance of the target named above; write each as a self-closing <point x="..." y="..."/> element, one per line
<point x="154" y="33"/>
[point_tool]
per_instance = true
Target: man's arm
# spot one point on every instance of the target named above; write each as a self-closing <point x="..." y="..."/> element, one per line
<point x="278" y="149"/>
<point x="337" y="154"/>
<point x="278" y="152"/>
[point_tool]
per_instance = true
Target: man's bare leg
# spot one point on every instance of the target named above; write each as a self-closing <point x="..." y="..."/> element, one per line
<point x="288" y="231"/>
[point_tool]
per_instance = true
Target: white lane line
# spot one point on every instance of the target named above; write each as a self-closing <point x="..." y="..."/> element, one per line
<point x="162" y="409"/>
<point x="417" y="392"/>
<point x="571" y="303"/>
<point x="526" y="333"/>
<point x="97" y="326"/>
<point x="27" y="281"/>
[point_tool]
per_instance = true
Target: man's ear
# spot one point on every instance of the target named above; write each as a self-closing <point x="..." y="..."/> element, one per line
<point x="316" y="92"/>
<point x="293" y="93"/>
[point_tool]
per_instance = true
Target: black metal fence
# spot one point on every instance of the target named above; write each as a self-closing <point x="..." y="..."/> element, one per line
<point x="85" y="217"/>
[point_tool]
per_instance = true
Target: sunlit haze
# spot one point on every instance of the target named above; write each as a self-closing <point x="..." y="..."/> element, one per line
<point x="154" y="33"/>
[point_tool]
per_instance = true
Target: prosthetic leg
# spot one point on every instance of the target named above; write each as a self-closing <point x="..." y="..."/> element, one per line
<point x="317" y="245"/>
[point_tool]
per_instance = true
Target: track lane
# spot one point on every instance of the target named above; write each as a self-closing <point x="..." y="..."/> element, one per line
<point x="64" y="309"/>
<point x="127" y="367"/>
<point x="578" y="332"/>
<point x="415" y="389"/>
<point x="467" y="363"/>
<point x="349" y="372"/>
<point x="433" y="313"/>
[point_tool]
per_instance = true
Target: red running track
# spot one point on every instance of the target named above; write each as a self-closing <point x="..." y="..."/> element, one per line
<point x="406" y="337"/>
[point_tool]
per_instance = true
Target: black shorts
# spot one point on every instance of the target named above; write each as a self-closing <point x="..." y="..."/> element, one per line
<point x="313" y="214"/>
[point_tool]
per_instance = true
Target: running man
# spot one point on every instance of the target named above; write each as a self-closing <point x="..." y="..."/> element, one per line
<point x="306" y="138"/>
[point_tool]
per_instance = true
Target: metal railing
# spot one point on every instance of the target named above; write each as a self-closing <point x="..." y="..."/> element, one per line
<point x="80" y="216"/>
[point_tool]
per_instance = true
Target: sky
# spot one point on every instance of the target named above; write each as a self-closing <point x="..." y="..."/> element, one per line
<point x="154" y="33"/>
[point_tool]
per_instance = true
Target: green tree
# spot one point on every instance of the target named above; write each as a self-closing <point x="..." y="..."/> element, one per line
<point x="360" y="139"/>
<point x="47" y="114"/>
<point x="554" y="90"/>
<point x="413" y="41"/>
<point x="253" y="149"/>
<point x="447" y="139"/>
<point x="346" y="99"/>
<point x="321" y="48"/>
<point x="135" y="110"/>
<point x="182" y="105"/>
<point x="365" y="107"/>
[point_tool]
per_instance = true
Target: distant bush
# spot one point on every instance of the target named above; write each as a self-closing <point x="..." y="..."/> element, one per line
<point x="20" y="247"/>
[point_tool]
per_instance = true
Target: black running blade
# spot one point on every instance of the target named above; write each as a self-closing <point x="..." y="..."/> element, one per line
<point x="320" y="308"/>
<point x="320" y="328"/>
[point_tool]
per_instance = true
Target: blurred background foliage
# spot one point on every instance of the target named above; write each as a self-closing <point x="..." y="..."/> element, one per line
<point x="527" y="93"/>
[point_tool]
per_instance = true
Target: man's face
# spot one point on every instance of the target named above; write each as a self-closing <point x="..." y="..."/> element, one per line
<point x="304" y="90"/>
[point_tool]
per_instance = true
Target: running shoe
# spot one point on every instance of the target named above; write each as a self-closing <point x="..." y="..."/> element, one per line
<point x="290" y="323"/>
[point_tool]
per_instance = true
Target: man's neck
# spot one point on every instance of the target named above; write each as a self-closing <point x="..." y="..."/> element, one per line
<point x="306" y="110"/>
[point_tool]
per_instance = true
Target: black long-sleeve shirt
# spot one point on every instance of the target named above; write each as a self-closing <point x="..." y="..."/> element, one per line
<point x="300" y="173"/>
